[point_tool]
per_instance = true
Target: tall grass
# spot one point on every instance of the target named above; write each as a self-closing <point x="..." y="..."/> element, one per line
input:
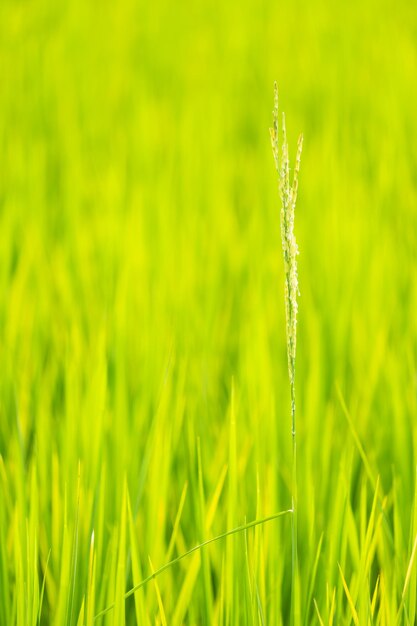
<point x="138" y="279"/>
<point x="288" y="193"/>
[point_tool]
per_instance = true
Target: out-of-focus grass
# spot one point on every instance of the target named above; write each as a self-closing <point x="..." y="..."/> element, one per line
<point x="140" y="273"/>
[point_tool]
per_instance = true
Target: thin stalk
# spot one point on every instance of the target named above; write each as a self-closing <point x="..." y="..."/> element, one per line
<point x="288" y="194"/>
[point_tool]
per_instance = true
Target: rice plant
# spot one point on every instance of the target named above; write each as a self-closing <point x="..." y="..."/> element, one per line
<point x="288" y="193"/>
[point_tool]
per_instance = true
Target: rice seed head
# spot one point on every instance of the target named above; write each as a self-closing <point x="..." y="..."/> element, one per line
<point x="288" y="193"/>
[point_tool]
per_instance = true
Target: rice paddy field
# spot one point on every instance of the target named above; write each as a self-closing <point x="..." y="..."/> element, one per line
<point x="144" y="393"/>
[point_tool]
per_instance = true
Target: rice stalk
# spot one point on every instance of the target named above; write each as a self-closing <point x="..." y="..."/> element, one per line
<point x="288" y="193"/>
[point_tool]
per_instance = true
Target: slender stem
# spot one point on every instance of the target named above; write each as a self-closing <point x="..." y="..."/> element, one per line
<point x="294" y="528"/>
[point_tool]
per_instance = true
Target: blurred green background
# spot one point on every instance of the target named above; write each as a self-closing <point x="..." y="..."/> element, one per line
<point x="141" y="272"/>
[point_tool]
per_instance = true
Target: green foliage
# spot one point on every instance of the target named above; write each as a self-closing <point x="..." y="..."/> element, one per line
<point x="141" y="312"/>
